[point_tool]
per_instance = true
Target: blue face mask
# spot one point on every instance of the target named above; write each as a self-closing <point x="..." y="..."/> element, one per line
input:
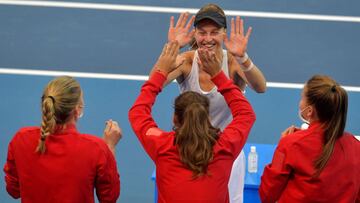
<point x="302" y="117"/>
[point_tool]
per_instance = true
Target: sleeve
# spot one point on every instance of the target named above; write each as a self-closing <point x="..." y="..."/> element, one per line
<point x="107" y="181"/>
<point x="276" y="174"/>
<point x="236" y="133"/>
<point x="140" y="113"/>
<point x="11" y="175"/>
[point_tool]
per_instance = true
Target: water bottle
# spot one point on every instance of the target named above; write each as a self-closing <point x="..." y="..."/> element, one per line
<point x="252" y="160"/>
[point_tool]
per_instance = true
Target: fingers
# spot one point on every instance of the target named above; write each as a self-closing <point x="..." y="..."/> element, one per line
<point x="232" y="32"/>
<point x="248" y="33"/>
<point x="107" y="125"/>
<point x="238" y="25"/>
<point x="173" y="48"/>
<point x="189" y="24"/>
<point x="171" y="22"/>
<point x="179" y="21"/>
<point x="209" y="61"/>
<point x="289" y="130"/>
<point x="164" y="51"/>
<point x="184" y="19"/>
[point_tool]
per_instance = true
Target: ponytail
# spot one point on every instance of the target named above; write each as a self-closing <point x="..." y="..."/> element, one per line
<point x="331" y="103"/>
<point x="195" y="137"/>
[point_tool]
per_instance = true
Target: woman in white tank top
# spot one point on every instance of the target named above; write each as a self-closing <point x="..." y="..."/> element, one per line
<point x="210" y="34"/>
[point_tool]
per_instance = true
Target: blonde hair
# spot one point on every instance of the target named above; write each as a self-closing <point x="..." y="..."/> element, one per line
<point x="59" y="99"/>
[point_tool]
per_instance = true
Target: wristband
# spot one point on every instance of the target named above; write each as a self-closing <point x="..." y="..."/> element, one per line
<point x="247" y="69"/>
<point x="242" y="59"/>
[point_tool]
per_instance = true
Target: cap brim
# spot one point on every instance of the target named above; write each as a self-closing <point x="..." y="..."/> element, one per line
<point x="215" y="20"/>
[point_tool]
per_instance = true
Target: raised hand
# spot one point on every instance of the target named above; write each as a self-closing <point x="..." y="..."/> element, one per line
<point x="181" y="32"/>
<point x="236" y="44"/>
<point x="112" y="134"/>
<point x="167" y="58"/>
<point x="209" y="62"/>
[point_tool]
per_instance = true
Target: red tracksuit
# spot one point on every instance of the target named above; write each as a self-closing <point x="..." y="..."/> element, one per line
<point x="289" y="177"/>
<point x="72" y="166"/>
<point x="173" y="178"/>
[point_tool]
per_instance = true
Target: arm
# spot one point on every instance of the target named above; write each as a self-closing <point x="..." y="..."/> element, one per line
<point x="140" y="113"/>
<point x="253" y="77"/>
<point x="175" y="74"/>
<point x="107" y="181"/>
<point x="236" y="44"/>
<point x="276" y="175"/>
<point x="11" y="176"/>
<point x="236" y="133"/>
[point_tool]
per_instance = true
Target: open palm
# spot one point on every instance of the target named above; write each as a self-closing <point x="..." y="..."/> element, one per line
<point x="181" y="32"/>
<point x="236" y="44"/>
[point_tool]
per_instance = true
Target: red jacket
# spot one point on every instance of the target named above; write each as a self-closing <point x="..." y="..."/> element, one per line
<point x="72" y="166"/>
<point x="174" y="179"/>
<point x="289" y="177"/>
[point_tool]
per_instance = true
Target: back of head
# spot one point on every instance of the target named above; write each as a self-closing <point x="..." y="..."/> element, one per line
<point x="195" y="136"/>
<point x="59" y="99"/>
<point x="331" y="102"/>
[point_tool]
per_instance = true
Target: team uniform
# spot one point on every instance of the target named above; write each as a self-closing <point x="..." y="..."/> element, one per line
<point x="174" y="180"/>
<point x="289" y="178"/>
<point x="69" y="170"/>
<point x="220" y="116"/>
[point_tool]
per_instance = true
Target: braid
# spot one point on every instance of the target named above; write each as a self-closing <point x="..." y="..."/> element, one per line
<point x="48" y="122"/>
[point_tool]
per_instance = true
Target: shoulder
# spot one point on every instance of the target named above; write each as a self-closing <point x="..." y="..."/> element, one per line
<point x="93" y="142"/>
<point x="185" y="68"/>
<point x="291" y="140"/>
<point x="351" y="138"/>
<point x="26" y="131"/>
<point x="188" y="56"/>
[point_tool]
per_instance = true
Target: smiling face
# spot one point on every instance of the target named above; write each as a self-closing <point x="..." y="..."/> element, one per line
<point x="209" y="35"/>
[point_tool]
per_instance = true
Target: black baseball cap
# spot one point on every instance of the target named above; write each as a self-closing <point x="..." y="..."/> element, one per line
<point x="212" y="15"/>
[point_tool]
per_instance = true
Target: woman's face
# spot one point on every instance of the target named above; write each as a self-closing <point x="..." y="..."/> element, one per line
<point x="209" y="35"/>
<point x="303" y="102"/>
<point x="305" y="110"/>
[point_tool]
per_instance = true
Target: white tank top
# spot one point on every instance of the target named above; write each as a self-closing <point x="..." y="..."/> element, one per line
<point x="220" y="114"/>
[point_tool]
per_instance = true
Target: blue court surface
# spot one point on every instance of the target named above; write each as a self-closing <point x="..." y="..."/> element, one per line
<point x="110" y="46"/>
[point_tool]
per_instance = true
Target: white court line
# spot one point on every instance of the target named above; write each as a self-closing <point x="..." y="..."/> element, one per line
<point x="73" y="74"/>
<point x="133" y="77"/>
<point x="157" y="9"/>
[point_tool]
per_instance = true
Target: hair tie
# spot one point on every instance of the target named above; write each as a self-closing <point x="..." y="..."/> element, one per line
<point x="333" y="88"/>
<point x="52" y="98"/>
<point x="42" y="138"/>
